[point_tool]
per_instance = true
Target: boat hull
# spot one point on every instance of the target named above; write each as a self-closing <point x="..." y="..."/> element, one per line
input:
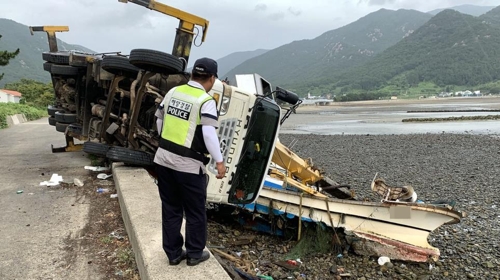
<point x="397" y="230"/>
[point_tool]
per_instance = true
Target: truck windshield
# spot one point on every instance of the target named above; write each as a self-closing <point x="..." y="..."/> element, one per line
<point x="253" y="163"/>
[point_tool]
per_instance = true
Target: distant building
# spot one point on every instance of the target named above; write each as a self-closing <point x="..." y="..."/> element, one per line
<point x="394" y="97"/>
<point x="11" y="96"/>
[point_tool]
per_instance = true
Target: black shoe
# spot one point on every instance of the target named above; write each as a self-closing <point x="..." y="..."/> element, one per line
<point x="204" y="256"/>
<point x="179" y="259"/>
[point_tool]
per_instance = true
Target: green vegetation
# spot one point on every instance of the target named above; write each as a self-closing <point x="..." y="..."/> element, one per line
<point x="28" y="64"/>
<point x="33" y="92"/>
<point x="125" y="257"/>
<point x="5" y="57"/>
<point x="451" y="52"/>
<point x="315" y="239"/>
<point x="333" y="52"/>
<point x="448" y="52"/>
<point x="9" y="109"/>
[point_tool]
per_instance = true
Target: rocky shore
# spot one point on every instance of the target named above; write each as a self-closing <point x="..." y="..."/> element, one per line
<point x="461" y="169"/>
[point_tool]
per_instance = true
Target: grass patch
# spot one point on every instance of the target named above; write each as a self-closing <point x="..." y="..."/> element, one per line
<point x="106" y="239"/>
<point x="125" y="256"/>
<point x="315" y="239"/>
<point x="9" y="109"/>
<point x="95" y="160"/>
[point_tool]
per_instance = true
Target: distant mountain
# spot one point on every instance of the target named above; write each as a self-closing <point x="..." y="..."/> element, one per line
<point x="472" y="10"/>
<point x="450" y="49"/>
<point x="492" y="17"/>
<point x="28" y="64"/>
<point x="228" y="62"/>
<point x="334" y="51"/>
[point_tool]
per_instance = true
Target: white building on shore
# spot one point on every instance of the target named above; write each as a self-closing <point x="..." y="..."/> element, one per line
<point x="11" y="96"/>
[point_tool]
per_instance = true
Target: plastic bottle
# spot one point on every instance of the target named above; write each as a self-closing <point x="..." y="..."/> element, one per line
<point x="101" y="190"/>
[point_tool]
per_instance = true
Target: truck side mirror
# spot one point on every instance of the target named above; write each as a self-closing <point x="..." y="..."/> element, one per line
<point x="286" y="96"/>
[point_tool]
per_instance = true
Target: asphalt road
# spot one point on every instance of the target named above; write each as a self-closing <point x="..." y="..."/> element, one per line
<point x="40" y="228"/>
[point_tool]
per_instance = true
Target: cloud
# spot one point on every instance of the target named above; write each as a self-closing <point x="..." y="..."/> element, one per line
<point x="260" y="7"/>
<point x="294" y="11"/>
<point x="377" y="2"/>
<point x="277" y="16"/>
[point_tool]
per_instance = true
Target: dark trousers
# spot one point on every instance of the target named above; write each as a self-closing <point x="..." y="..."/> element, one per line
<point x="182" y="192"/>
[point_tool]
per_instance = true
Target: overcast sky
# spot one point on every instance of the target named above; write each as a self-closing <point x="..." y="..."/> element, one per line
<point x="236" y="25"/>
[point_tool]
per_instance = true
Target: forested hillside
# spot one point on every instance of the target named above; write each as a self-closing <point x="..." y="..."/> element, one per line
<point x="334" y="51"/>
<point x="450" y="49"/>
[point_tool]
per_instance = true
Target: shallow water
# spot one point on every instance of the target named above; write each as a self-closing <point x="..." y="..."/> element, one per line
<point x="387" y="119"/>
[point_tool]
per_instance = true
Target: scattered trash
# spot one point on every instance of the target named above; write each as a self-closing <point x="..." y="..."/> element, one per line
<point x="115" y="195"/>
<point x="431" y="266"/>
<point x="101" y="190"/>
<point x="30" y="193"/>
<point x="238" y="254"/>
<point x="104" y="176"/>
<point x="383" y="260"/>
<point x="292" y="262"/>
<point x="78" y="182"/>
<point x="97" y="168"/>
<point x="265" y="277"/>
<point x="20" y="191"/>
<point x="298" y="260"/>
<point x="339" y="256"/>
<point x="54" y="181"/>
<point x="115" y="235"/>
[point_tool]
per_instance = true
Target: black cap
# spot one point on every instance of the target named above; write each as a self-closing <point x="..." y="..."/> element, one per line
<point x="206" y="65"/>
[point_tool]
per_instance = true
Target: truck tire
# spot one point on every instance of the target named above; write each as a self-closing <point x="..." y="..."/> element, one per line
<point x="52" y="121"/>
<point x="131" y="157"/>
<point x="61" y="127"/>
<point x="47" y="66"/>
<point x="51" y="110"/>
<point x="98" y="149"/>
<point x="119" y="65"/>
<point x="65" y="70"/>
<point x="62" y="117"/>
<point x="156" y="61"/>
<point x="56" y="57"/>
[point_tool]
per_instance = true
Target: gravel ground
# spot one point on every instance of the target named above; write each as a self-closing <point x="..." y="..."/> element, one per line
<point x="460" y="168"/>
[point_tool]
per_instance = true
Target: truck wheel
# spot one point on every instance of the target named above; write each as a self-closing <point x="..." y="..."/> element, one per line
<point x="47" y="66"/>
<point x="64" y="70"/>
<point x="65" y="117"/>
<point x="156" y="61"/>
<point x="61" y="127"/>
<point x="51" y="110"/>
<point x="128" y="156"/>
<point x="56" y="57"/>
<point x="119" y="65"/>
<point x="52" y="121"/>
<point x="98" y="149"/>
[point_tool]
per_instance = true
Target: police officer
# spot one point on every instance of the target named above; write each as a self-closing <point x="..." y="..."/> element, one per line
<point x="187" y="119"/>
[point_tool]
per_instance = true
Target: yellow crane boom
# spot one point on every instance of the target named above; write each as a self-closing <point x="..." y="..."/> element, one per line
<point x="185" y="31"/>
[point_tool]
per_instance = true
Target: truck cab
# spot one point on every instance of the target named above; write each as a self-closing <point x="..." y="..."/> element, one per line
<point x="249" y="122"/>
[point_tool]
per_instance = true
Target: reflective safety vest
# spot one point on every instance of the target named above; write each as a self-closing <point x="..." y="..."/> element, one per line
<point x="181" y="133"/>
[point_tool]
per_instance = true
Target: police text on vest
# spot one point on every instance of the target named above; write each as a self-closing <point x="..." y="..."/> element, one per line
<point x="179" y="108"/>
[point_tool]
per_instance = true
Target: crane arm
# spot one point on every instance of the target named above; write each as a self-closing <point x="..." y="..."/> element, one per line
<point x="187" y="23"/>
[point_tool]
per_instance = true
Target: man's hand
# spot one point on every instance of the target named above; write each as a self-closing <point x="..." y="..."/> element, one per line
<point x="221" y="170"/>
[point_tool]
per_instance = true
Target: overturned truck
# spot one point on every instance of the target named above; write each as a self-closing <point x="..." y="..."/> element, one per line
<point x="108" y="101"/>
